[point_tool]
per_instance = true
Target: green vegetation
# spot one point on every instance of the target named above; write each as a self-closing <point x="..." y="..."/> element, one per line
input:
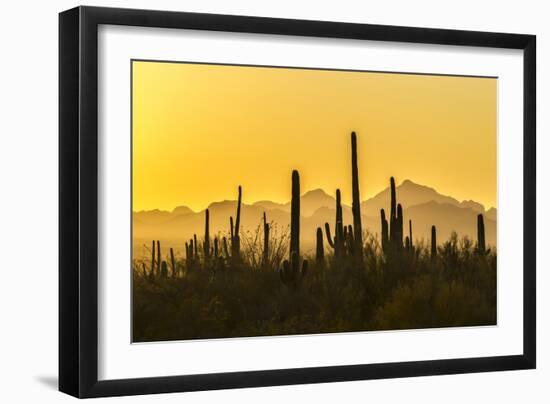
<point x="262" y="285"/>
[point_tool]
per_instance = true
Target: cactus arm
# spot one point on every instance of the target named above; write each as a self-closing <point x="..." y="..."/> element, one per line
<point x="329" y="237"/>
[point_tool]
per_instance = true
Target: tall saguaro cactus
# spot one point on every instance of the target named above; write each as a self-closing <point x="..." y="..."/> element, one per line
<point x="295" y="221"/>
<point x="393" y="210"/>
<point x="356" y="202"/>
<point x="173" y="262"/>
<point x="206" y="245"/>
<point x="290" y="273"/>
<point x="152" y="272"/>
<point x="158" y="257"/>
<point x="235" y="239"/>
<point x="411" y="235"/>
<point x="265" y="258"/>
<point x="480" y="234"/>
<point x="434" y="243"/>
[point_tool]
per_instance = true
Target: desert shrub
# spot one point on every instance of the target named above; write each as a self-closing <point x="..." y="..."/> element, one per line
<point x="406" y="289"/>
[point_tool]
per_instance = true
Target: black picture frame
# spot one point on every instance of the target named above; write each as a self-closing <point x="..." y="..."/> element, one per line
<point x="78" y="201"/>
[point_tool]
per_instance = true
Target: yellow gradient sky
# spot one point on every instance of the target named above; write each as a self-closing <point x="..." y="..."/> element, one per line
<point x="201" y="130"/>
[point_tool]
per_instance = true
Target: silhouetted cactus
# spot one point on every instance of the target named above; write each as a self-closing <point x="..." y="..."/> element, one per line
<point x="319" y="247"/>
<point x="216" y="249"/>
<point x="434" y="243"/>
<point x="290" y="273"/>
<point x="399" y="227"/>
<point x="295" y="221"/>
<point x="356" y="202"/>
<point x="338" y="243"/>
<point x="173" y="262"/>
<point x="396" y="220"/>
<point x="235" y="238"/>
<point x="265" y="259"/>
<point x="411" y="235"/>
<point x="152" y="272"/>
<point x="350" y="240"/>
<point x="393" y="210"/>
<point x="195" y="248"/>
<point x="395" y="236"/>
<point x="480" y="235"/>
<point x="206" y="245"/>
<point x="158" y="257"/>
<point x="345" y="238"/>
<point x="407" y="243"/>
<point x="225" y="249"/>
<point x="384" y="236"/>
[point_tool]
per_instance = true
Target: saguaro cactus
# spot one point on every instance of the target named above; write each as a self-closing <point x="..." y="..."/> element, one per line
<point x="173" y="262"/>
<point x="434" y="243"/>
<point x="225" y="249"/>
<point x="480" y="234"/>
<point x="206" y="245"/>
<point x="152" y="259"/>
<point x="396" y="219"/>
<point x="216" y="248"/>
<point x="319" y="247"/>
<point x="295" y="221"/>
<point x="384" y="236"/>
<point x="393" y="210"/>
<point x="410" y="235"/>
<point x="399" y="229"/>
<point x="356" y="203"/>
<point x="350" y="240"/>
<point x="338" y="243"/>
<point x="290" y="272"/>
<point x="158" y="257"/>
<point x="293" y="277"/>
<point x="265" y="258"/>
<point x="235" y="239"/>
<point x="189" y="253"/>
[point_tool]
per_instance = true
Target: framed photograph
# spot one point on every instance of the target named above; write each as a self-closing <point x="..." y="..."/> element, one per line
<point x="250" y="201"/>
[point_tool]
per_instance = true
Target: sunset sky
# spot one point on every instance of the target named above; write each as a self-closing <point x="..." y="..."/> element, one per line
<point x="200" y="130"/>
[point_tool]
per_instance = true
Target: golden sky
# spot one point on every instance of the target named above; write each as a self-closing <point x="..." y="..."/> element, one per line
<point x="200" y="130"/>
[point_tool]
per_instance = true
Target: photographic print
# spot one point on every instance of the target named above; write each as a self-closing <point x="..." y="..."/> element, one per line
<point x="270" y="201"/>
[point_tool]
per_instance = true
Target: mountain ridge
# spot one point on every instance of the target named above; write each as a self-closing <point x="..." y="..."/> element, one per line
<point x="382" y="198"/>
<point x="423" y="205"/>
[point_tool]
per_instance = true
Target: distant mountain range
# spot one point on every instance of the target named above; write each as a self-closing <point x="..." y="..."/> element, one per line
<point x="421" y="204"/>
